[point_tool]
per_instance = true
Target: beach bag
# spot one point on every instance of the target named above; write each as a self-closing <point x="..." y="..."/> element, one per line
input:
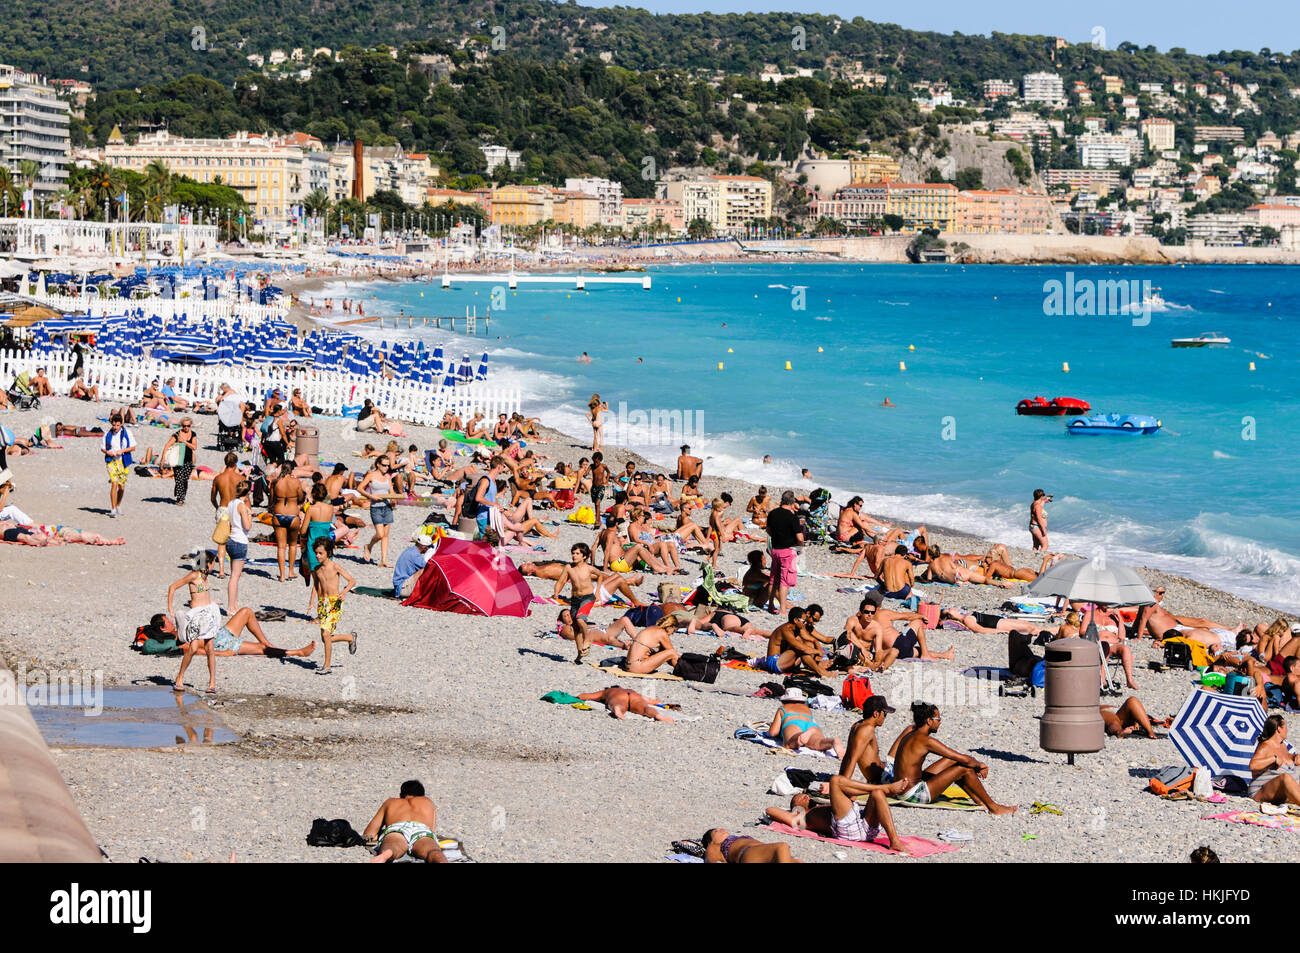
<point x="1176" y="778"/>
<point x="810" y="685"/>
<point x="667" y="592"/>
<point x="929" y="612"/>
<point x="695" y="667"/>
<point x="583" y="514"/>
<point x="855" y="691"/>
<point x="1185" y="653"/>
<point x="222" y="532"/>
<point x="335" y="833"/>
<point x="1235" y="684"/>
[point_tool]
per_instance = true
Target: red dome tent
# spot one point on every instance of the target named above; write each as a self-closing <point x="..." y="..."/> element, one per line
<point x="470" y="578"/>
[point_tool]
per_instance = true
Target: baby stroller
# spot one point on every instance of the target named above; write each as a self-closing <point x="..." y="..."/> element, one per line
<point x="817" y="517"/>
<point x="22" y="394"/>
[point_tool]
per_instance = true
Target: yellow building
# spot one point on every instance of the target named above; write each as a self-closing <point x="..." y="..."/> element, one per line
<point x="521" y="205"/>
<point x="1112" y="84"/>
<point x="267" y="173"/>
<point x="922" y="204"/>
<point x="874" y="167"/>
<point x="575" y="208"/>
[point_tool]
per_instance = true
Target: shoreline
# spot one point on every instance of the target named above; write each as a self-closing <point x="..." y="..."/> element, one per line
<point x="749" y="486"/>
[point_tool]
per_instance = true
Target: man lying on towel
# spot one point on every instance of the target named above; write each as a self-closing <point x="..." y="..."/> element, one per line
<point x="405" y="824"/>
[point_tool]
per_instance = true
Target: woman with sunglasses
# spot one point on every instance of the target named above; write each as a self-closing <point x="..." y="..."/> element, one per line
<point x="183" y="466"/>
<point x="377" y="486"/>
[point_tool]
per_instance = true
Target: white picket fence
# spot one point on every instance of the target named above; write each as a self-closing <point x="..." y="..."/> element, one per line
<point x="123" y="380"/>
<point x="247" y="312"/>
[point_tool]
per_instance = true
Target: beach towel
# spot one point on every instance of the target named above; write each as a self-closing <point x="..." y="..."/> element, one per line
<point x="615" y="670"/>
<point x="952" y="799"/>
<point x="740" y="666"/>
<point x="1285" y="822"/>
<point x="564" y="698"/>
<point x="679" y="858"/>
<point x="919" y="846"/>
<point x="757" y="733"/>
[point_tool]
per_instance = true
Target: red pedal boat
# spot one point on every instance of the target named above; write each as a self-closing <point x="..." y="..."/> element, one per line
<point x="1056" y="407"/>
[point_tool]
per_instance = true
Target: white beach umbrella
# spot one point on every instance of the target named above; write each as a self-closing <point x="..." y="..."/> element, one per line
<point x="1093" y="580"/>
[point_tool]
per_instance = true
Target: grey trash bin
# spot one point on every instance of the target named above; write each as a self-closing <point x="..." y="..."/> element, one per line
<point x="1071" y="722"/>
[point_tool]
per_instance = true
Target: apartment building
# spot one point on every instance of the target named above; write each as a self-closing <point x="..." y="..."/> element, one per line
<point x="578" y="209"/>
<point x="498" y="156"/>
<point x="1003" y="211"/>
<point x="729" y="203"/>
<point x="922" y="204"/>
<point x="857" y="205"/>
<point x="1217" y="133"/>
<point x="608" y="192"/>
<point x="640" y="215"/>
<point x="1226" y="229"/>
<point x="874" y="167"/>
<point x="1043" y="88"/>
<point x="267" y="173"/>
<point x="997" y="88"/>
<point x="1025" y="127"/>
<point x="34" y="127"/>
<point x="1078" y="179"/>
<point x="1159" y="133"/>
<point x="1100" y="150"/>
<point x="521" y="205"/>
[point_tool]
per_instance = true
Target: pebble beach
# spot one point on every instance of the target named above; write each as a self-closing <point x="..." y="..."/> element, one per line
<point x="453" y="700"/>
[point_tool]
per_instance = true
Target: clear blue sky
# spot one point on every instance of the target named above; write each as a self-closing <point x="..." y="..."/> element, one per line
<point x="1199" y="26"/>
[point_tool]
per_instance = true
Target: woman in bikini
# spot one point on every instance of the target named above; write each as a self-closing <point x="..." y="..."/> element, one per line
<point x="287" y="498"/>
<point x="1272" y="766"/>
<point x="721" y="847"/>
<point x="793" y="723"/>
<point x="595" y="407"/>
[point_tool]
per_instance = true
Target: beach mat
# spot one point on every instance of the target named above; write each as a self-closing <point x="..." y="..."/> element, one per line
<point x="919" y="846"/>
<point x="952" y="799"/>
<point x="760" y="727"/>
<point x="615" y="670"/>
<point x="1284" y="822"/>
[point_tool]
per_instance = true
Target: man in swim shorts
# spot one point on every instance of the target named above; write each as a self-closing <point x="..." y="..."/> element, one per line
<point x="923" y="784"/>
<point x="896" y="575"/>
<point x="582" y="595"/>
<point x="405" y="824"/>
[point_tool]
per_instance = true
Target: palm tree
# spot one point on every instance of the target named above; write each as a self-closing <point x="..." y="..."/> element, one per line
<point x="104" y="184"/>
<point x="157" y="188"/>
<point x="9" y="193"/>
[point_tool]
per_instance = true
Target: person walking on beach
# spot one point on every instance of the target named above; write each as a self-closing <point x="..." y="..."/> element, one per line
<point x="222" y="492"/>
<point x="188" y="442"/>
<point x="582" y="596"/>
<point x="329" y="599"/>
<point x="1038" y="520"/>
<point x="240" y="515"/>
<point x="784" y="533"/>
<point x="377" y="486"/>
<point x="599" y="480"/>
<point x="118" y="444"/>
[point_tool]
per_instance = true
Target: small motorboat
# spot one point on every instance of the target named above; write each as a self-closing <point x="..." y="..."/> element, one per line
<point x="1056" y="407"/>
<point x="1208" y="339"/>
<point x="1114" y="423"/>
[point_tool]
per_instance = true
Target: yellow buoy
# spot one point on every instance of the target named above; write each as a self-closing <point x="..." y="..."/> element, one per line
<point x="902" y="366"/>
<point x="719" y="365"/>
<point x="1065" y="367"/>
<point x="911" y="347"/>
<point x="730" y="351"/>
<point x="679" y="300"/>
<point x="1252" y="365"/>
<point x="819" y="350"/>
<point x="787" y="365"/>
<point x="421" y="294"/>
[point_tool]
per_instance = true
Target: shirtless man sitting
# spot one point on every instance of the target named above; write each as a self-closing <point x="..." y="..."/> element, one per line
<point x="896" y="575"/>
<point x="42" y="384"/>
<point x="620" y="701"/>
<point x="923" y="784"/>
<point x="875" y="552"/>
<point x="297" y="405"/>
<point x="879" y="631"/>
<point x="651" y="648"/>
<point x="789" y="647"/>
<point x="607" y="585"/>
<point x="405" y="823"/>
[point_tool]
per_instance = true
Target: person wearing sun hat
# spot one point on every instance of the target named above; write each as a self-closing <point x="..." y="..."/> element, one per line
<point x="412" y="561"/>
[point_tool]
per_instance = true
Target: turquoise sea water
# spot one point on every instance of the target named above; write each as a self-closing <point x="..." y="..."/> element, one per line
<point x="1212" y="496"/>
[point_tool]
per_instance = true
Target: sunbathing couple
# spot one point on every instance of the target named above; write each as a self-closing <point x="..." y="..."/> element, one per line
<point x="903" y="775"/>
<point x="878" y="643"/>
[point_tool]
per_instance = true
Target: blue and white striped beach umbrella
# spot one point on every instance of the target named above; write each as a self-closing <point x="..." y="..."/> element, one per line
<point x="1218" y="732"/>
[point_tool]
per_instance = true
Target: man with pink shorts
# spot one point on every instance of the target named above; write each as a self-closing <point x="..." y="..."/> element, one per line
<point x="785" y="532"/>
